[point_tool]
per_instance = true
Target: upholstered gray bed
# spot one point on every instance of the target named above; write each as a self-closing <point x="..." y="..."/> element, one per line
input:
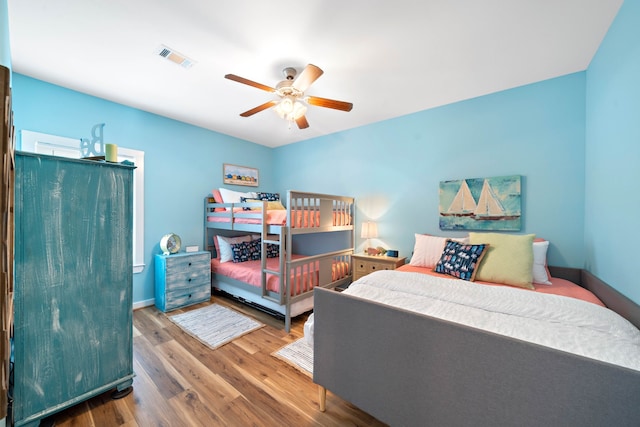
<point x="409" y="369"/>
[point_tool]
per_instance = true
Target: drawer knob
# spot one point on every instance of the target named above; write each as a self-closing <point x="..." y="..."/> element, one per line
<point x="189" y="264"/>
<point x="189" y="278"/>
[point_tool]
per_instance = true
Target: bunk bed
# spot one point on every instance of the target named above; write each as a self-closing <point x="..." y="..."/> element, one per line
<point x="270" y="275"/>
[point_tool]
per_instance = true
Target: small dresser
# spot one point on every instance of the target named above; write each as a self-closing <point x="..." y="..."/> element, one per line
<point x="182" y="279"/>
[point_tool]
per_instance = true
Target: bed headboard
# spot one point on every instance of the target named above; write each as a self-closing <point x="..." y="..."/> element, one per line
<point x="608" y="295"/>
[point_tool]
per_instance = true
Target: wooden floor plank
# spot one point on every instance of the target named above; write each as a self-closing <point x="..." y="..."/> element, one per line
<point x="181" y="382"/>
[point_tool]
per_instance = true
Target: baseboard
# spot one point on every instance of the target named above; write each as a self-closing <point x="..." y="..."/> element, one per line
<point x="143" y="304"/>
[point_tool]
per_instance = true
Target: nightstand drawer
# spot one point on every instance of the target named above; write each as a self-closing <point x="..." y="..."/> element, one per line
<point x="186" y="272"/>
<point x="177" y="299"/>
<point x="361" y="266"/>
<point x="182" y="279"/>
<point x="365" y="264"/>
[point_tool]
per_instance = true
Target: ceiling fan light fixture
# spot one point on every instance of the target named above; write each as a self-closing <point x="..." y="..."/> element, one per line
<point x="299" y="110"/>
<point x="289" y="108"/>
<point x="291" y="92"/>
<point x="285" y="106"/>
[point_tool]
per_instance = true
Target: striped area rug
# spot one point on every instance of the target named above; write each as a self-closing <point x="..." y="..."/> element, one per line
<point x="298" y="354"/>
<point x="215" y="325"/>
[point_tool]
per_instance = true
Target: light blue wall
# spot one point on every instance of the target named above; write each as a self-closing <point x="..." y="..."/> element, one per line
<point x="613" y="155"/>
<point x="5" y="49"/>
<point x="183" y="163"/>
<point x="393" y="168"/>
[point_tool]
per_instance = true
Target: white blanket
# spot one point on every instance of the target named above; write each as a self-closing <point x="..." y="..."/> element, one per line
<point x="559" y="322"/>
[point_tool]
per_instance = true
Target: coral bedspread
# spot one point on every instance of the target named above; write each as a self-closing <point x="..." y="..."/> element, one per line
<point x="303" y="278"/>
<point x="558" y="286"/>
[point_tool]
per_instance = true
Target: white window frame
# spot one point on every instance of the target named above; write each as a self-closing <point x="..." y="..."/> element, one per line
<point x="43" y="143"/>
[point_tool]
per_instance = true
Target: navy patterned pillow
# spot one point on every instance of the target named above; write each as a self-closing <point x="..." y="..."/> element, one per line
<point x="273" y="251"/>
<point x="246" y="251"/>
<point x="460" y="260"/>
<point x="269" y="197"/>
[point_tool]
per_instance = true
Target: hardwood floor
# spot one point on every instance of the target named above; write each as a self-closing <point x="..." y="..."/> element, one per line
<point x="181" y="382"/>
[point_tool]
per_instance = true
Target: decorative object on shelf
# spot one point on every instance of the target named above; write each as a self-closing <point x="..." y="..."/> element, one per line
<point x="392" y="253"/>
<point x="111" y="153"/>
<point x="170" y="244"/>
<point x="481" y="204"/>
<point x="239" y="175"/>
<point x="191" y="249"/>
<point x="377" y="251"/>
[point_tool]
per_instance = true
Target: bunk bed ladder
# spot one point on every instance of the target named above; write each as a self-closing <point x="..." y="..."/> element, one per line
<point x="265" y="242"/>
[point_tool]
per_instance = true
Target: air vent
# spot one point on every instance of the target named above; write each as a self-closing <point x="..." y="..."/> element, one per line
<point x="175" y="57"/>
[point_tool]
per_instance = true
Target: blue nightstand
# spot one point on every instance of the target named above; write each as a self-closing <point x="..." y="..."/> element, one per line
<point x="182" y="279"/>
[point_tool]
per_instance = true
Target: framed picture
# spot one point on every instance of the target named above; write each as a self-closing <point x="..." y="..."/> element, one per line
<point x="481" y="204"/>
<point x="239" y="175"/>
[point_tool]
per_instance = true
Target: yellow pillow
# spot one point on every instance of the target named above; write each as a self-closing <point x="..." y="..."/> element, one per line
<point x="509" y="258"/>
<point x="271" y="205"/>
<point x="275" y="205"/>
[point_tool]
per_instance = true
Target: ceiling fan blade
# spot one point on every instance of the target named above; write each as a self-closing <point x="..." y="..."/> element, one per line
<point x="309" y="75"/>
<point x="249" y="82"/>
<point x="302" y="122"/>
<point x="259" y="108"/>
<point x="329" y="103"/>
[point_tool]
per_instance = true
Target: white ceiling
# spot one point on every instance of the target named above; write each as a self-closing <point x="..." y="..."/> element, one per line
<point x="387" y="58"/>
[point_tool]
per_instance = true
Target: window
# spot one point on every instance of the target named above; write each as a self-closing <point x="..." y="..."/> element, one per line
<point x="41" y="143"/>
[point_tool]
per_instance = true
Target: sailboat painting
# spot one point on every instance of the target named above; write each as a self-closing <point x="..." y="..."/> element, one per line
<point x="481" y="204"/>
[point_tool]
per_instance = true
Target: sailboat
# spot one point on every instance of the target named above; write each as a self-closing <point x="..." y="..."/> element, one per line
<point x="463" y="203"/>
<point x="489" y="207"/>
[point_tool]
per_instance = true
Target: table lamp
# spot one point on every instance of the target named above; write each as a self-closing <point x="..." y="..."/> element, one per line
<point x="369" y="231"/>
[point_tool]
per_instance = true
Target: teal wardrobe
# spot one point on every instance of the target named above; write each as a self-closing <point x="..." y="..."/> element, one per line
<point x="73" y="283"/>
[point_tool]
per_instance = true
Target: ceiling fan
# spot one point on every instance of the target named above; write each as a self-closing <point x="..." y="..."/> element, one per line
<point x="291" y="92"/>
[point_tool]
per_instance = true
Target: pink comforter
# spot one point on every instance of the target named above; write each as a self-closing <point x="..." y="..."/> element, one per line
<point x="304" y="278"/>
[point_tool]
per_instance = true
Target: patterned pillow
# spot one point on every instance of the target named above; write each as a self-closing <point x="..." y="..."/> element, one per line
<point x="246" y="251"/>
<point x="270" y="197"/>
<point x="273" y="251"/>
<point x="460" y="260"/>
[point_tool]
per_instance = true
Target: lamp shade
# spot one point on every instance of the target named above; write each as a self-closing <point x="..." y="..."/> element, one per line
<point x="369" y="230"/>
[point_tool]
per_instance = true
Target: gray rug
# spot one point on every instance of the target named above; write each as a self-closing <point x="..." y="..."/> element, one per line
<point x="215" y="325"/>
<point x="298" y="354"/>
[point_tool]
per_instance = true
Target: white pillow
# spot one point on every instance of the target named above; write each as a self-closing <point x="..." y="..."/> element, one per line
<point x="224" y="246"/>
<point x="540" y="263"/>
<point x="428" y="249"/>
<point x="230" y="196"/>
